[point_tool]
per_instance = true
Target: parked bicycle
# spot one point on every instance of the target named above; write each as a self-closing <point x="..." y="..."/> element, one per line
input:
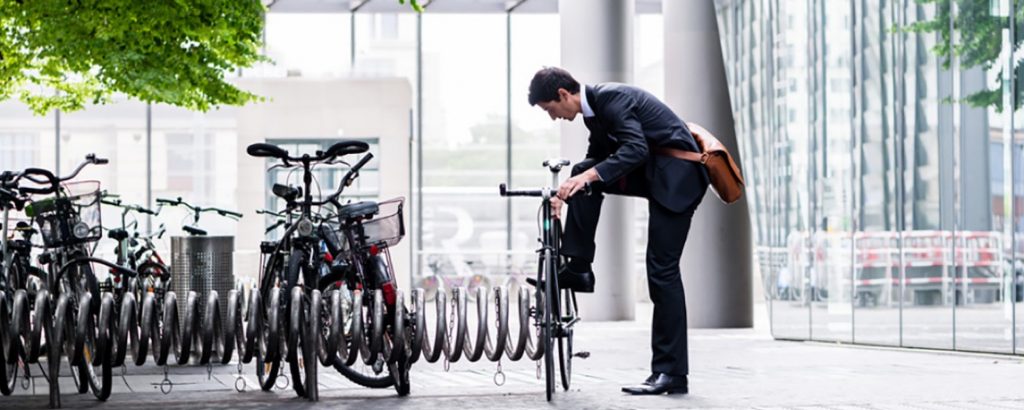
<point x="336" y="254"/>
<point x="556" y="311"/>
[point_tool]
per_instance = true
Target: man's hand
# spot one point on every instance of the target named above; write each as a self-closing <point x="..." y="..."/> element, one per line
<point x="556" y="207"/>
<point x="573" y="185"/>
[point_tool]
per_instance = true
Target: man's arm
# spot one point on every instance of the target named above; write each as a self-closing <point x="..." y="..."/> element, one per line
<point x="625" y="129"/>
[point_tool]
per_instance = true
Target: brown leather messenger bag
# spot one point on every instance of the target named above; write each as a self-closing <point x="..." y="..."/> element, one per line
<point x="726" y="178"/>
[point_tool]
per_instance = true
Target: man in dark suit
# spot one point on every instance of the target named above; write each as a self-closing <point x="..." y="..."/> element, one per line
<point x="635" y="141"/>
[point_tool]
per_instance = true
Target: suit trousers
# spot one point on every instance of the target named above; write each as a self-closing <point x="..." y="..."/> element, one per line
<point x="666" y="236"/>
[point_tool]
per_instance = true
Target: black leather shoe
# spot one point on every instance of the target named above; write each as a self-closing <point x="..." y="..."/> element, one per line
<point x="663" y="384"/>
<point x="651" y="379"/>
<point x="567" y="279"/>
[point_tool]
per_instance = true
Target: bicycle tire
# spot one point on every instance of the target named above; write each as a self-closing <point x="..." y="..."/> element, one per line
<point x="357" y="377"/>
<point x="99" y="341"/>
<point x="8" y="371"/>
<point x="189" y="329"/>
<point x="565" y="344"/>
<point x="127" y="331"/>
<point x="212" y="333"/>
<point x="141" y="350"/>
<point x="233" y="338"/>
<point x="55" y="340"/>
<point x="399" y="369"/>
<point x="295" y="340"/>
<point x="550" y="315"/>
<point x="355" y="326"/>
<point x="268" y="362"/>
<point x="311" y="349"/>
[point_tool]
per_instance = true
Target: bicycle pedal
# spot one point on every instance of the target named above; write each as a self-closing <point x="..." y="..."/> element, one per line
<point x="581" y="355"/>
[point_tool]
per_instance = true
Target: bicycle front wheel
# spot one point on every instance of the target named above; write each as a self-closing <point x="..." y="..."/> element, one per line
<point x="550" y="318"/>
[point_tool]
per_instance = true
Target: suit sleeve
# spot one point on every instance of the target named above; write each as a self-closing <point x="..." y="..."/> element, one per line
<point x="625" y="129"/>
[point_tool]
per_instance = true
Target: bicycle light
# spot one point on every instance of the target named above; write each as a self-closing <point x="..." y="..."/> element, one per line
<point x="305" y="227"/>
<point x="81" y="230"/>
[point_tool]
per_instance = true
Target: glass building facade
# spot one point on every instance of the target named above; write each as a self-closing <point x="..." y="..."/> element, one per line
<point x="884" y="171"/>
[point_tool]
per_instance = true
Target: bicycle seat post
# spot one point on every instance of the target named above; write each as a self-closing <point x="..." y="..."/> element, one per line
<point x="555" y="165"/>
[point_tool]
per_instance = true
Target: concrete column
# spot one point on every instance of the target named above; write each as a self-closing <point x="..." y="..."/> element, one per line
<point x="716" y="263"/>
<point x="597" y="46"/>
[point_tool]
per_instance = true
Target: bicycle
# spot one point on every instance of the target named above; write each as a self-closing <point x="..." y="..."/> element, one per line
<point x="135" y="306"/>
<point x="556" y="325"/>
<point x="16" y="274"/>
<point x="293" y="264"/>
<point x="69" y="221"/>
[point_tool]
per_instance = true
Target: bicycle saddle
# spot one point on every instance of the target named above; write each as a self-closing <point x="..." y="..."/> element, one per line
<point x="358" y="210"/>
<point x="193" y="231"/>
<point x="117" y="234"/>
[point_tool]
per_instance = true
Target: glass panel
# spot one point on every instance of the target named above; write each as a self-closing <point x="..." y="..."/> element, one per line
<point x="464" y="144"/>
<point x="770" y="101"/>
<point x="1017" y="158"/>
<point x="832" y="309"/>
<point x="787" y="158"/>
<point x="929" y="151"/>
<point x="984" y="310"/>
<point x="876" y="249"/>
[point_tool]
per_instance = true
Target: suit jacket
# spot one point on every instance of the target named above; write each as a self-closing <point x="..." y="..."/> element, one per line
<point x="627" y="126"/>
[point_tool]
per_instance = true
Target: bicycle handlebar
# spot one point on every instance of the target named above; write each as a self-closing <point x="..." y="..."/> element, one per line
<point x="50" y="178"/>
<point x="340" y="148"/>
<point x="347" y="179"/>
<point x="137" y="208"/>
<point x="196" y="210"/>
<point x="504" y="191"/>
<point x="224" y="212"/>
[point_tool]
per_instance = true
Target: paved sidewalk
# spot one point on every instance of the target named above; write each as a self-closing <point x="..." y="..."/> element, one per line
<point x="730" y="369"/>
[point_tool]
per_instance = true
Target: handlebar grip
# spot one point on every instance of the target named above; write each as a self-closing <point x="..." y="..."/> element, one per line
<point x="162" y="201"/>
<point x="100" y="161"/>
<point x="261" y="149"/>
<point x="145" y="211"/>
<point x="362" y="162"/>
<point x="347" y="147"/>
<point x="231" y="213"/>
<point x="40" y="191"/>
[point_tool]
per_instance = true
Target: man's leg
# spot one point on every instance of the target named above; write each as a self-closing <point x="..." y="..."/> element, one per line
<point x="585" y="211"/>
<point x="666" y="236"/>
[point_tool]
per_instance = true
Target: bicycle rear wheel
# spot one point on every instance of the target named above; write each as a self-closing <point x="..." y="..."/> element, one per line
<point x="565" y="340"/>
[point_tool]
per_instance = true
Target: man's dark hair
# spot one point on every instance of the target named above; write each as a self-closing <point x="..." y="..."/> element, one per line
<point x="545" y="84"/>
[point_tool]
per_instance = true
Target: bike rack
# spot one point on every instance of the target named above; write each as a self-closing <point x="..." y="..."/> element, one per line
<point x="349" y="335"/>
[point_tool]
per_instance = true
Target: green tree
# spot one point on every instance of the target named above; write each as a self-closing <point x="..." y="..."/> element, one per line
<point x="66" y="54"/>
<point x="173" y="52"/>
<point x="979" y="44"/>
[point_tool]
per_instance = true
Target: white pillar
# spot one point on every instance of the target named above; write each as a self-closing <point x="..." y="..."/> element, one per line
<point x="597" y="46"/>
<point x="716" y="262"/>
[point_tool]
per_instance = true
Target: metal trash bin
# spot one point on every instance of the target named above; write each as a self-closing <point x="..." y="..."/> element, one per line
<point x="202" y="264"/>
